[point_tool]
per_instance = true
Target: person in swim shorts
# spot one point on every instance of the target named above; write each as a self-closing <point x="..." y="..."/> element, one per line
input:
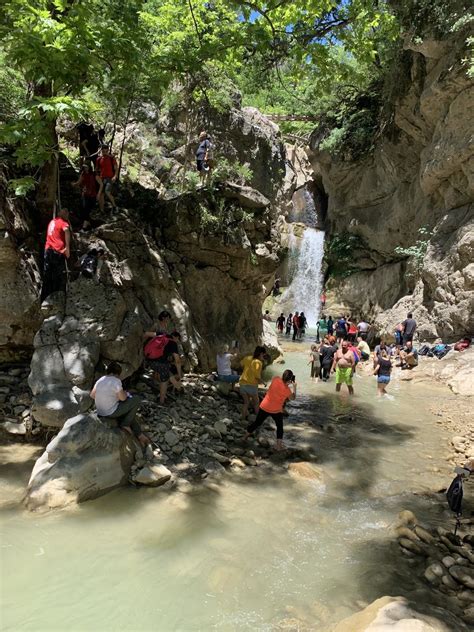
<point x="343" y="365"/>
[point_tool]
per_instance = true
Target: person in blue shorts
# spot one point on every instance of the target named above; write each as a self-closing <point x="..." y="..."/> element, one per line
<point x="383" y="370"/>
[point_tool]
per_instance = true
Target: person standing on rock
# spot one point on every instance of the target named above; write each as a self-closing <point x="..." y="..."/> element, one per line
<point x="112" y="402"/>
<point x="250" y="379"/>
<point x="57" y="250"/>
<point x="289" y="324"/>
<point x="409" y="328"/>
<point x="280" y="322"/>
<point x="363" y="329"/>
<point x="272" y="405"/>
<point x="382" y="370"/>
<point x="224" y="366"/>
<point x="343" y="365"/>
<point x="107" y="173"/>
<point x="204" y="157"/>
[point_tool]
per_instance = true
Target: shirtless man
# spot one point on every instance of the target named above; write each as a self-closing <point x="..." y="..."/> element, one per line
<point x="344" y="365"/>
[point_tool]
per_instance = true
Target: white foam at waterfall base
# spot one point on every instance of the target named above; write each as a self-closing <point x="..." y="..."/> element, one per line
<point x="305" y="289"/>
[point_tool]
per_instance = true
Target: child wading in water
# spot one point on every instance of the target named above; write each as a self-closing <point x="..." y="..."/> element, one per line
<point x="272" y="404"/>
<point x="314" y="361"/>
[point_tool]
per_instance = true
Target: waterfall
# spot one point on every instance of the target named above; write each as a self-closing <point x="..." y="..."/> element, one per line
<point x="305" y="289"/>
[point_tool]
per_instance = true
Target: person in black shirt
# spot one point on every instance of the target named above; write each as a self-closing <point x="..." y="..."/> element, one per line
<point x="203" y="157"/>
<point x="326" y="356"/>
<point x="408" y="356"/>
<point x="382" y="370"/>
<point x="409" y="328"/>
<point x="89" y="142"/>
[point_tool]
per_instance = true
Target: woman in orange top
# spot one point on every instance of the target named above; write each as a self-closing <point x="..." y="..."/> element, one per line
<point x="272" y="404"/>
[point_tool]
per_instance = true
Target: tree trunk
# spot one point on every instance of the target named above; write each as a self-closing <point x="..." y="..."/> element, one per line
<point x="46" y="192"/>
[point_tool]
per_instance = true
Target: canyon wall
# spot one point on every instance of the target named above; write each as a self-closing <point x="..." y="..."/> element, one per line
<point x="420" y="176"/>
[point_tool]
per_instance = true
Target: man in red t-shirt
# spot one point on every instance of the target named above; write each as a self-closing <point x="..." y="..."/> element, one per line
<point x="106" y="175"/>
<point x="57" y="250"/>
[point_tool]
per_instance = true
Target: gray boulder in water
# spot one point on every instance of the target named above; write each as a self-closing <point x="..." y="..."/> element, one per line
<point x="85" y="460"/>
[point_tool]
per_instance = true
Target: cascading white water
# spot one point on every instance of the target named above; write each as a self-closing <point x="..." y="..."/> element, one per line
<point x="306" y="285"/>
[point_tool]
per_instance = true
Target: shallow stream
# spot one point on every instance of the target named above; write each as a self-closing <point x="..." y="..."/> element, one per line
<point x="252" y="551"/>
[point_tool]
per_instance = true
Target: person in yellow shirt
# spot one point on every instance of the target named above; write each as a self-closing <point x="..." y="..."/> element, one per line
<point x="250" y="379"/>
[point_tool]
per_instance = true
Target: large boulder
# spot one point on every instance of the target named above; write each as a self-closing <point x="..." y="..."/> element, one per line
<point x="395" y="614"/>
<point x="85" y="460"/>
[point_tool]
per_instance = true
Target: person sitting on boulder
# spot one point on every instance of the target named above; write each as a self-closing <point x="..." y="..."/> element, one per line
<point x="165" y="361"/>
<point x="408" y="356"/>
<point x="224" y="368"/>
<point x="272" y="404"/>
<point x="363" y="348"/>
<point x="113" y="402"/>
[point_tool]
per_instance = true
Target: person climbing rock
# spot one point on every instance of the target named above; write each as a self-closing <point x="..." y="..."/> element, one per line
<point x="343" y="365"/>
<point x="87" y="183"/>
<point x="280" y="322"/>
<point x="382" y="370"/>
<point x="323" y="298"/>
<point x="409" y="328"/>
<point x="57" y="250"/>
<point x="272" y="405"/>
<point x="204" y="162"/>
<point x="289" y="324"/>
<point x="89" y="143"/>
<point x="165" y="361"/>
<point x="112" y="402"/>
<point x="107" y="172"/>
<point x="164" y="323"/>
<point x="252" y="366"/>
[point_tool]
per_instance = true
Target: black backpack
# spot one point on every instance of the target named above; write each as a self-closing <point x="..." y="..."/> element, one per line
<point x="89" y="266"/>
<point x="454" y="495"/>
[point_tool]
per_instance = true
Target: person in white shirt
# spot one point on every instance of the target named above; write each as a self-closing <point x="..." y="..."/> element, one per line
<point x="224" y="368"/>
<point x="113" y="402"/>
<point x="363" y="329"/>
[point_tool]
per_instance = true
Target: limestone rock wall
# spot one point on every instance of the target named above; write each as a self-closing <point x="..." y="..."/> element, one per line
<point x="422" y="176"/>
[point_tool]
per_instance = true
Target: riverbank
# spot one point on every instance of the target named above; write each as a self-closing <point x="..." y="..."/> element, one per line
<point x="317" y="523"/>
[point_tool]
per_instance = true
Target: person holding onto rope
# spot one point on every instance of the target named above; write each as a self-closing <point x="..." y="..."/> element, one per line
<point x="272" y="405"/>
<point x="57" y="250"/>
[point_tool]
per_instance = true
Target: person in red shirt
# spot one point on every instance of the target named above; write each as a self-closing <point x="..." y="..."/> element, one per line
<point x="107" y="173"/>
<point x="57" y="250"/>
<point x="88" y="185"/>
<point x="272" y="404"/>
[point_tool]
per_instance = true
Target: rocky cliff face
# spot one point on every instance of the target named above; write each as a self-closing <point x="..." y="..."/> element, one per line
<point x="202" y="255"/>
<point x="423" y="176"/>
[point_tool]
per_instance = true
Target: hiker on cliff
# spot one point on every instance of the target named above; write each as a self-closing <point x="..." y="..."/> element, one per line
<point x="162" y="356"/>
<point x="409" y="328"/>
<point x="280" y="322"/>
<point x="112" y="402"/>
<point x="343" y="365"/>
<point x="289" y="324"/>
<point x="272" y="405"/>
<point x="252" y="366"/>
<point x="323" y="299"/>
<point x="89" y="143"/>
<point x="87" y="183"/>
<point x="204" y="161"/>
<point x="57" y="250"/>
<point x="107" y="172"/>
<point x="224" y="366"/>
<point x="382" y="370"/>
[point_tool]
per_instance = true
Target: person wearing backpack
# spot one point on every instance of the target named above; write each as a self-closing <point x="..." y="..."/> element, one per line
<point x="163" y="357"/>
<point x="107" y="173"/>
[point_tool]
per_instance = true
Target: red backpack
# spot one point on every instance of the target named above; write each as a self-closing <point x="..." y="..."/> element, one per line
<point x="155" y="347"/>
